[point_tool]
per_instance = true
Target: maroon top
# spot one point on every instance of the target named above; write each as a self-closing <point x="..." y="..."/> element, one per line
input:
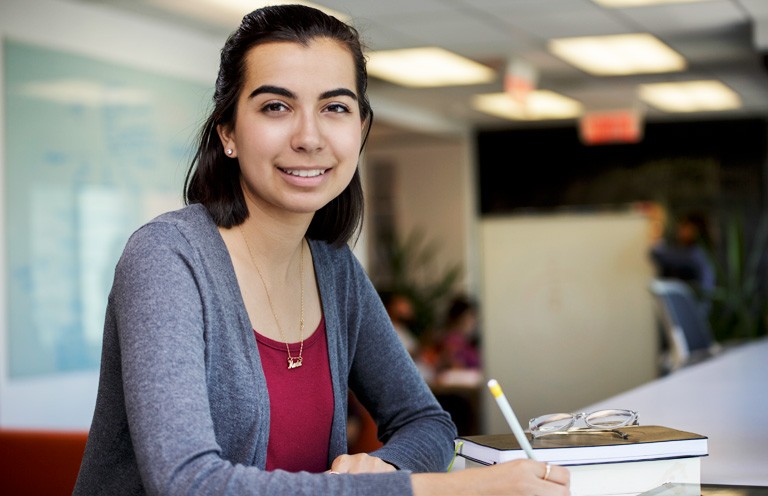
<point x="301" y="403"/>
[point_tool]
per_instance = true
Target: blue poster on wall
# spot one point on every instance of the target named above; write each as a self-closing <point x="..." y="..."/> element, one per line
<point x="92" y="151"/>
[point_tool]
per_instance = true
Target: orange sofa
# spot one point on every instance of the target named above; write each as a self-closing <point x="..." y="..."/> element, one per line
<point x="40" y="462"/>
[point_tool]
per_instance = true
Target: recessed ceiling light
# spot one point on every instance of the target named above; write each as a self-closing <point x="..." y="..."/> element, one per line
<point x="427" y="67"/>
<point x="618" y="55"/>
<point x="539" y="105"/>
<point x="690" y="96"/>
<point x="640" y="3"/>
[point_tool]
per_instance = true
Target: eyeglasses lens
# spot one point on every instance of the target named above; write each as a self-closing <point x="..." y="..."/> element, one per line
<point x="609" y="418"/>
<point x="552" y="423"/>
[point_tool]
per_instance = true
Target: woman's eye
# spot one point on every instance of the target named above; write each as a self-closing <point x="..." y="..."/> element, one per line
<point x="337" y="108"/>
<point x="274" y="107"/>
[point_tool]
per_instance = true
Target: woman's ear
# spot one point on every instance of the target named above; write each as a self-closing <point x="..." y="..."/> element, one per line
<point x="366" y="129"/>
<point x="227" y="140"/>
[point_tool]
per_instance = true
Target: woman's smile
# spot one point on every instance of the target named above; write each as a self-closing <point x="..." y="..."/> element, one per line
<point x="304" y="178"/>
<point x="304" y="172"/>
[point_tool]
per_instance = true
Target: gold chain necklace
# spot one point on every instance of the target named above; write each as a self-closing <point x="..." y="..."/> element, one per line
<point x="293" y="361"/>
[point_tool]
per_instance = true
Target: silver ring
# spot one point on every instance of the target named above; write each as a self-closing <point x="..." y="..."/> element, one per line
<point x="547" y="469"/>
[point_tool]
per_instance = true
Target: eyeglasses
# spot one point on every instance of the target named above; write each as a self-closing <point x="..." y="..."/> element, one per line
<point x="598" y="421"/>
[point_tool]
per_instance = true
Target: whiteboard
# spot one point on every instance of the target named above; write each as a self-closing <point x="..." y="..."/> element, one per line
<point x="93" y="149"/>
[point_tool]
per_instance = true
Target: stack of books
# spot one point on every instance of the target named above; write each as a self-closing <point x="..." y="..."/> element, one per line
<point x="631" y="461"/>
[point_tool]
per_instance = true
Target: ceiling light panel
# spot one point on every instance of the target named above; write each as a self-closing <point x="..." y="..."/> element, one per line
<point x="539" y="105"/>
<point x="690" y="96"/>
<point x="640" y="3"/>
<point x="427" y="67"/>
<point x="618" y="55"/>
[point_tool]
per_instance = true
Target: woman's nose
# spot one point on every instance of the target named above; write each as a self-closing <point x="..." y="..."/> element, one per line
<point x="308" y="134"/>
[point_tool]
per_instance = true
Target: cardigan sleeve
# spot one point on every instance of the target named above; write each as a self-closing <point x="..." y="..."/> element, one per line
<point x="417" y="433"/>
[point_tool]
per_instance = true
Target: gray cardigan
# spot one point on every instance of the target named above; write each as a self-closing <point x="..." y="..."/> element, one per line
<point x="182" y="405"/>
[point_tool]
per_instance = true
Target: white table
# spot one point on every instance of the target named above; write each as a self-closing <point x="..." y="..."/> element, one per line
<point x="724" y="398"/>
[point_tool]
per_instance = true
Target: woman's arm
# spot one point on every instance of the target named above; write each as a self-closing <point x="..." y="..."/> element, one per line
<point x="519" y="477"/>
<point x="417" y="433"/>
<point x="158" y="314"/>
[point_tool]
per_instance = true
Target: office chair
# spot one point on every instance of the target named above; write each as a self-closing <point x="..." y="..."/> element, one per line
<point x="685" y="326"/>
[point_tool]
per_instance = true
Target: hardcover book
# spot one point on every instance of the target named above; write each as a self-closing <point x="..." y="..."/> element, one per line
<point x="631" y="443"/>
<point x="627" y="461"/>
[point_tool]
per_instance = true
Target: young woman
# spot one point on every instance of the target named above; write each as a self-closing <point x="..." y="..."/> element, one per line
<point x="236" y="325"/>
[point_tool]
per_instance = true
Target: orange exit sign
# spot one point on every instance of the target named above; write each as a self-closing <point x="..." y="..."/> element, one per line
<point x="614" y="126"/>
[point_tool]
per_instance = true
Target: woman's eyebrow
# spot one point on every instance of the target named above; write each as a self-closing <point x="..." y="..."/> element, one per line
<point x="338" y="92"/>
<point x="276" y="90"/>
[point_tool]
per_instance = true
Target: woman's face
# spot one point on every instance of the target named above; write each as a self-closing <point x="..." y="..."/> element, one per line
<point x="298" y="129"/>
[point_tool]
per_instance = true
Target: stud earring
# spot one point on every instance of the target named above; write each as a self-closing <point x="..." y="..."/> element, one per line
<point x="229" y="151"/>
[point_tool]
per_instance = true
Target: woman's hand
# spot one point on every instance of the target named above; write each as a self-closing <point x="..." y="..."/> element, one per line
<point x="519" y="477"/>
<point x="360" y="463"/>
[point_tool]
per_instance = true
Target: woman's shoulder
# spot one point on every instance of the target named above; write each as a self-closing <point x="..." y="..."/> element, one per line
<point x="191" y="222"/>
<point x="189" y="229"/>
<point x="194" y="216"/>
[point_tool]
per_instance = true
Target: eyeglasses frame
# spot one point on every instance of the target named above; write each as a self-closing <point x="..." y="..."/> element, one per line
<point x="632" y="419"/>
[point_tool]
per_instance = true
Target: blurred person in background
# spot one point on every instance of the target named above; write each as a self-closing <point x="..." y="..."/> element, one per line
<point x="686" y="257"/>
<point x="400" y="310"/>
<point x="459" y="340"/>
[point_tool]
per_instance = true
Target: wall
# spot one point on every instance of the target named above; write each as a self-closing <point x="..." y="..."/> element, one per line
<point x="716" y="166"/>
<point x="434" y="193"/>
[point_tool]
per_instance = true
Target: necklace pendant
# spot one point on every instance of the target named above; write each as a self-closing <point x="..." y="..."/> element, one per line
<point x="294" y="362"/>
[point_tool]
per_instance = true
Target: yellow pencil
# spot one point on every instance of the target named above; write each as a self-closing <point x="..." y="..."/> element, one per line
<point x="509" y="415"/>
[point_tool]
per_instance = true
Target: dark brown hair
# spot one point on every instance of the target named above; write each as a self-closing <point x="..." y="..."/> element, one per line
<point x="213" y="179"/>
